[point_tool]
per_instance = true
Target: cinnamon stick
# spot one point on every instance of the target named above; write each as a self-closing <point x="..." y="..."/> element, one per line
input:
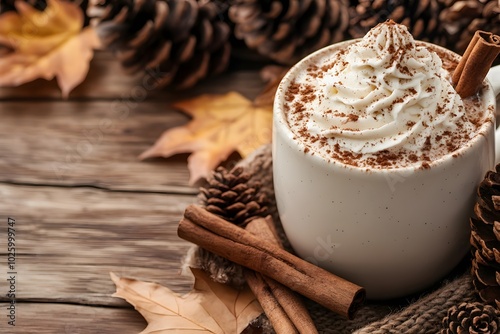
<point x="242" y="247"/>
<point x="264" y="229"/>
<point x="475" y="63"/>
<point x="290" y="302"/>
<point x="274" y="311"/>
<point x="265" y="290"/>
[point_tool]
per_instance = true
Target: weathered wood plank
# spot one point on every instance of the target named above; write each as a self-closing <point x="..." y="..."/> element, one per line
<point x="89" y="143"/>
<point x="41" y="280"/>
<point x="107" y="80"/>
<point x="69" y="239"/>
<point x="48" y="318"/>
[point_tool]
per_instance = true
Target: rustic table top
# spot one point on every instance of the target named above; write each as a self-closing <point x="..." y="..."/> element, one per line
<point x="84" y="205"/>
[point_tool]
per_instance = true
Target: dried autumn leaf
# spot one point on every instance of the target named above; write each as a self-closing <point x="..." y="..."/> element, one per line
<point x="221" y="124"/>
<point x="210" y="307"/>
<point x="46" y="44"/>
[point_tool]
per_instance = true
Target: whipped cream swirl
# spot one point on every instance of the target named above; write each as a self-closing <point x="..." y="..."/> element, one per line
<point x="385" y="93"/>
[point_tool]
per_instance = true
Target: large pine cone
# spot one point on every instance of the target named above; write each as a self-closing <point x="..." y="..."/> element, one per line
<point x="460" y="19"/>
<point x="471" y="318"/>
<point x="175" y="42"/>
<point x="287" y="30"/>
<point x="485" y="239"/>
<point x="420" y="16"/>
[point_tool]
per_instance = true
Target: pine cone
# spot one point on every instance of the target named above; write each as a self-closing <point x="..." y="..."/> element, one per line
<point x="287" y="30"/>
<point x="175" y="42"/>
<point x="485" y="239"/>
<point x="229" y="196"/>
<point x="461" y="18"/>
<point x="473" y="318"/>
<point x="420" y="16"/>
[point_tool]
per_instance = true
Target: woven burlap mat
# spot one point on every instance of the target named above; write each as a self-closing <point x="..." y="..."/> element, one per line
<point x="422" y="313"/>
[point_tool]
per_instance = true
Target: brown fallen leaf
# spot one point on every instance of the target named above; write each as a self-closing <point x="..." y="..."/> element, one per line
<point x="46" y="44"/>
<point x="221" y="124"/>
<point x="210" y="307"/>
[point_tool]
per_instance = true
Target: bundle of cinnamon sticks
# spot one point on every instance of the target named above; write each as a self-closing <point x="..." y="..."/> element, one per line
<point x="271" y="271"/>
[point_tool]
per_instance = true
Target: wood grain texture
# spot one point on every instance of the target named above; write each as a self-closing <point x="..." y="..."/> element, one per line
<point x="97" y="142"/>
<point x="50" y="318"/>
<point x="89" y="143"/>
<point x="69" y="239"/>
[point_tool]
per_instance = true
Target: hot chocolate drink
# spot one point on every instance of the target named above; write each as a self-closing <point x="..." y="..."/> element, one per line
<point x="376" y="160"/>
<point x="385" y="101"/>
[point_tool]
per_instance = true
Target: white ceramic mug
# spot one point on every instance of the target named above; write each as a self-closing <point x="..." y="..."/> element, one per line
<point x="392" y="231"/>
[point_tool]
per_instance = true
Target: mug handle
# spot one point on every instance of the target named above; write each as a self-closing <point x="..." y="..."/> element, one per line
<point x="494" y="78"/>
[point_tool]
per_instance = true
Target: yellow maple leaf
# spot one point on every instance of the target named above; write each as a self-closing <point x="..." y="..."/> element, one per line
<point x="221" y="124"/>
<point x="210" y="307"/>
<point x="46" y="44"/>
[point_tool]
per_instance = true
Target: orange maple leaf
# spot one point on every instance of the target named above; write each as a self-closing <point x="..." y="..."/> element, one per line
<point x="210" y="307"/>
<point x="46" y="44"/>
<point x="221" y="124"/>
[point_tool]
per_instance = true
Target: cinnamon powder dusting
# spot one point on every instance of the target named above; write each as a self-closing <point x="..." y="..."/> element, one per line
<point x="302" y="94"/>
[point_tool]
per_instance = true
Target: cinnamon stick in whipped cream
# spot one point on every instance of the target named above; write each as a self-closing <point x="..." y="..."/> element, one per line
<point x="475" y="63"/>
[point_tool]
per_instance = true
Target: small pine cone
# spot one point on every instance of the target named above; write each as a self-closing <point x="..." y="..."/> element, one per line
<point x="287" y="30"/>
<point x="174" y="42"/>
<point x="229" y="196"/>
<point x="471" y="318"/>
<point x="485" y="239"/>
<point x="420" y="16"/>
<point x="460" y="19"/>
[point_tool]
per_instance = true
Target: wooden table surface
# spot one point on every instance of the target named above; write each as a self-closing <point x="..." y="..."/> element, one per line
<point x="84" y="205"/>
